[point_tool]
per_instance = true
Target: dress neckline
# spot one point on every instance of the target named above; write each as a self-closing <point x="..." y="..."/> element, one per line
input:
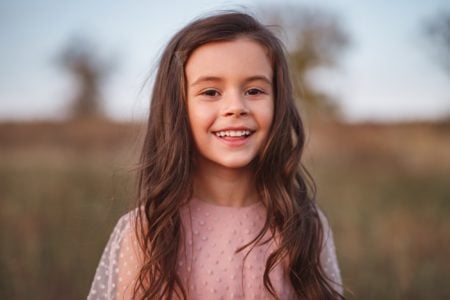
<point x="197" y="202"/>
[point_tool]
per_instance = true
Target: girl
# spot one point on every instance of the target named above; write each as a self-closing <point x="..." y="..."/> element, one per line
<point x="226" y="209"/>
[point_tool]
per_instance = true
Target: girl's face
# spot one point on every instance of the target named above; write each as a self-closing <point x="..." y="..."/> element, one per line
<point x="230" y="101"/>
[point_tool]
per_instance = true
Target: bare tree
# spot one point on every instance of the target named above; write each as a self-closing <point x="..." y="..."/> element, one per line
<point x="315" y="39"/>
<point x="81" y="59"/>
<point x="437" y="32"/>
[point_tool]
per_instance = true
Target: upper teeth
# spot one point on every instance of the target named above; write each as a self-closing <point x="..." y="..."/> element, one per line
<point x="233" y="133"/>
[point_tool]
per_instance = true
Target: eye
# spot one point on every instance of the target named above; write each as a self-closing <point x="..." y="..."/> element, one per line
<point x="254" y="92"/>
<point x="210" y="93"/>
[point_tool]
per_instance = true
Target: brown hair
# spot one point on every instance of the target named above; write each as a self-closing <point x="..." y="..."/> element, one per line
<point x="165" y="177"/>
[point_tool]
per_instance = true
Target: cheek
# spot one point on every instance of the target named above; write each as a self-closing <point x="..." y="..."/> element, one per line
<point x="199" y="118"/>
<point x="265" y="115"/>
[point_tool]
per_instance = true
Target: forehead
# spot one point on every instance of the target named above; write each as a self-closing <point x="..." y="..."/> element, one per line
<point x="242" y="57"/>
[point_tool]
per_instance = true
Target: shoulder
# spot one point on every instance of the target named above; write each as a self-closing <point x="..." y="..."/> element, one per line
<point x="327" y="239"/>
<point x="120" y="261"/>
<point x="327" y="232"/>
<point x="328" y="255"/>
<point x="124" y="226"/>
<point x="127" y="219"/>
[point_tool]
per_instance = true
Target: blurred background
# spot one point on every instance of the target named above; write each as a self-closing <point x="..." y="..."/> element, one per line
<point x="373" y="83"/>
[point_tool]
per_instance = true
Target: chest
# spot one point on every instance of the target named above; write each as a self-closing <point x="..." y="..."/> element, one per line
<point x="210" y="265"/>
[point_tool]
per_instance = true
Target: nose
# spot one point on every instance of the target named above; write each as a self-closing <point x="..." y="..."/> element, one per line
<point x="235" y="105"/>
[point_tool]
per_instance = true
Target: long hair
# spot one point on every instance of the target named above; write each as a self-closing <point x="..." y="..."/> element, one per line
<point x="166" y="167"/>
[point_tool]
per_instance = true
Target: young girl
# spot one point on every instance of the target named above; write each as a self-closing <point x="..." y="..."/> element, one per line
<point x="226" y="209"/>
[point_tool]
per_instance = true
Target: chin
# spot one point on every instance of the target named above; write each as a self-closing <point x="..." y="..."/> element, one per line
<point x="227" y="161"/>
<point x="235" y="163"/>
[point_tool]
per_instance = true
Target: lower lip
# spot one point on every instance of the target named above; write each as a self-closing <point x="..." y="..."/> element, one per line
<point x="234" y="141"/>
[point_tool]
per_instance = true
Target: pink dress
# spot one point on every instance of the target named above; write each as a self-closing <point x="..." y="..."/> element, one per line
<point x="208" y="263"/>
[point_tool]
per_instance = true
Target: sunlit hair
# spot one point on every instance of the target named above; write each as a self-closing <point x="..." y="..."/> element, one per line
<point x="168" y="161"/>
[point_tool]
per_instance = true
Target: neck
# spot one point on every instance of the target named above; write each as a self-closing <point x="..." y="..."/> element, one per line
<point x="224" y="186"/>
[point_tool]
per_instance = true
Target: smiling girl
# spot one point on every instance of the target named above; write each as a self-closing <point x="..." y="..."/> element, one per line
<point x="226" y="209"/>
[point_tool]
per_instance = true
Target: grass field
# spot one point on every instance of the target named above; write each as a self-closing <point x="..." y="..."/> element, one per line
<point x="385" y="189"/>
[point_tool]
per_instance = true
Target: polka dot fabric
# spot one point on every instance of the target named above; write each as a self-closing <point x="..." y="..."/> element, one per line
<point x="119" y="264"/>
<point x="208" y="263"/>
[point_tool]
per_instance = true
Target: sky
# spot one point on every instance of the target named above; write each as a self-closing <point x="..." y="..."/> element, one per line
<point x="387" y="74"/>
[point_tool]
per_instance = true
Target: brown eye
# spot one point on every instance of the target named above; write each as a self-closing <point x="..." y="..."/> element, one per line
<point x="254" y="92"/>
<point x="211" y="93"/>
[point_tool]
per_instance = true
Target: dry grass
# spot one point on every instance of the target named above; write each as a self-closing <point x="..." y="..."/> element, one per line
<point x="384" y="187"/>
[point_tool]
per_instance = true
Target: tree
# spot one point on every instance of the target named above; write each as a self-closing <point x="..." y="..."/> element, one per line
<point x="80" y="58"/>
<point x="315" y="39"/>
<point x="437" y="31"/>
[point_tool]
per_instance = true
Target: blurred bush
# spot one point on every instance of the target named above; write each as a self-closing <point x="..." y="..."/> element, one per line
<point x="316" y="40"/>
<point x="81" y="59"/>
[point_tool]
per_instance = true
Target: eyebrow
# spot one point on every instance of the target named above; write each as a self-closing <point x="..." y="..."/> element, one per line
<point x="218" y="79"/>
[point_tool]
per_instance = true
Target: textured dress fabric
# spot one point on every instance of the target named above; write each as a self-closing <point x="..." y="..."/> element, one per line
<point x="208" y="263"/>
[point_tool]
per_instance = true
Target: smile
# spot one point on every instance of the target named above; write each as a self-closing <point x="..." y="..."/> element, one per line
<point x="236" y="137"/>
<point x="233" y="133"/>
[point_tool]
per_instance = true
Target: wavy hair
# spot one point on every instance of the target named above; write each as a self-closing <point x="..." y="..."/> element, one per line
<point x="166" y="166"/>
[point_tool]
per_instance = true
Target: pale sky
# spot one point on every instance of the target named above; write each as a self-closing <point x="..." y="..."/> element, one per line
<point x="388" y="73"/>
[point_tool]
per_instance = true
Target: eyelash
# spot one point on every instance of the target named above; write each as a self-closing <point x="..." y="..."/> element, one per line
<point x="259" y="91"/>
<point x="210" y="92"/>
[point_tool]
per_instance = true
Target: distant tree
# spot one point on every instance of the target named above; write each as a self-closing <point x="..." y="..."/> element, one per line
<point x="437" y="32"/>
<point x="81" y="59"/>
<point x="315" y="39"/>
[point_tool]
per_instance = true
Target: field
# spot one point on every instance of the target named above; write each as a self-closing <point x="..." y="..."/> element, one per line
<point x="385" y="189"/>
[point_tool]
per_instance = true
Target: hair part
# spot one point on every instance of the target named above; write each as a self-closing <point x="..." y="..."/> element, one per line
<point x="167" y="164"/>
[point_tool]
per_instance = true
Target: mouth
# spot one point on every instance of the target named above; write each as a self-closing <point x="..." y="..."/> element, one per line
<point x="234" y="134"/>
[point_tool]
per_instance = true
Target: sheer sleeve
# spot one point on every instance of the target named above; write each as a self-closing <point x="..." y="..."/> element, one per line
<point x="119" y="264"/>
<point x="328" y="256"/>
